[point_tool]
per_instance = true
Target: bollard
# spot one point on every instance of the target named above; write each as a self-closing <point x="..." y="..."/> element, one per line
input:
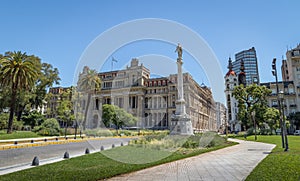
<point x="102" y="148"/>
<point x="56" y="139"/>
<point x="113" y="145"/>
<point x="35" y="161"/>
<point x="87" y="151"/>
<point x="66" y="155"/>
<point x="122" y="144"/>
<point x="45" y="140"/>
<point x="15" y="142"/>
<point x="31" y="141"/>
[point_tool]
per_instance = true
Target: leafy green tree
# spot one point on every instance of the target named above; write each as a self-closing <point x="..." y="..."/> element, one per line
<point x="113" y="115"/>
<point x="47" y="78"/>
<point x="78" y="115"/>
<point x="250" y="98"/>
<point x="17" y="125"/>
<point x="35" y="98"/>
<point x="271" y="117"/>
<point x="295" y="119"/>
<point x="65" y="108"/>
<point x="3" y="120"/>
<point x="18" y="71"/>
<point x="260" y="110"/>
<point x="33" y="119"/>
<point x="89" y="83"/>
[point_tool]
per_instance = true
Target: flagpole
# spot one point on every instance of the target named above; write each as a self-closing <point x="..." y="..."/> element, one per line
<point x="112" y="63"/>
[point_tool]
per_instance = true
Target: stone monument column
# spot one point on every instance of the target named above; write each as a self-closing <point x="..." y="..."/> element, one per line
<point x="180" y="103"/>
<point x="180" y="121"/>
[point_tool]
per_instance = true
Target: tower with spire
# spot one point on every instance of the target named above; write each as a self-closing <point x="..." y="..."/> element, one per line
<point x="242" y="74"/>
<point x="232" y="80"/>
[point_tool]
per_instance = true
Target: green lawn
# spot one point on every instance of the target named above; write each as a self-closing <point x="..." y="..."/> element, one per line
<point x="99" y="166"/>
<point x="17" y="135"/>
<point x="278" y="165"/>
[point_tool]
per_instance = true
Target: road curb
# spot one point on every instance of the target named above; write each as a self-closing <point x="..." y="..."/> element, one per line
<point x="51" y="142"/>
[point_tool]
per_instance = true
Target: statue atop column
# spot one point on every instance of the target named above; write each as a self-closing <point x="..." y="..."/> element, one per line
<point x="179" y="51"/>
<point x="180" y="121"/>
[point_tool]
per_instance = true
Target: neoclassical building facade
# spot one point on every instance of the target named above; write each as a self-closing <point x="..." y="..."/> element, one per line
<point x="151" y="100"/>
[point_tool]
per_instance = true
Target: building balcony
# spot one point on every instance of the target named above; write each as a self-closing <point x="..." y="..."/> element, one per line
<point x="275" y="105"/>
<point x="293" y="105"/>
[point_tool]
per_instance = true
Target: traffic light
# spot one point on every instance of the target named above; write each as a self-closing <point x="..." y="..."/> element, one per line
<point x="274" y="64"/>
<point x="274" y="67"/>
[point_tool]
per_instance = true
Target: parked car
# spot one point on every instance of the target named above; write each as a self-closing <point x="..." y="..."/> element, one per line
<point x="297" y="132"/>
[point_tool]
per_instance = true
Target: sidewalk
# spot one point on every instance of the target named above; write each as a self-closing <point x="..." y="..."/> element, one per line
<point x="231" y="163"/>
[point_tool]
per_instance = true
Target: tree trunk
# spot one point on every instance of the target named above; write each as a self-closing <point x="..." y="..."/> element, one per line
<point x="86" y="111"/>
<point x="20" y="112"/>
<point x="12" y="110"/>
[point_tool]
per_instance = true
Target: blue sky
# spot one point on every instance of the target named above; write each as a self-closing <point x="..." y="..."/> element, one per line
<point x="58" y="31"/>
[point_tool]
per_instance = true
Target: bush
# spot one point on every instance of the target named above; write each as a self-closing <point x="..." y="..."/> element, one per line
<point x="50" y="127"/>
<point x="265" y="131"/>
<point x="98" y="132"/>
<point x="3" y="120"/>
<point x="205" y="140"/>
<point x="17" y="125"/>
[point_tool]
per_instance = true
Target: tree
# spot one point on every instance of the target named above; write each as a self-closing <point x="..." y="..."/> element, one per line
<point x="33" y="118"/>
<point x="35" y="98"/>
<point x="3" y="120"/>
<point x="47" y="78"/>
<point x="295" y="119"/>
<point x="89" y="83"/>
<point x="18" y="71"/>
<point x="65" y="108"/>
<point x="250" y="98"/>
<point x="271" y="117"/>
<point x="113" y="115"/>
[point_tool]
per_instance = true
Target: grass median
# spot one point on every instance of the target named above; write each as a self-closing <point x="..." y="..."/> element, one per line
<point x="279" y="165"/>
<point x="17" y="135"/>
<point x="100" y="165"/>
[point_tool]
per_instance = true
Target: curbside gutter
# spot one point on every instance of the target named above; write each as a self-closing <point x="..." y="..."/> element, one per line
<point x="26" y="143"/>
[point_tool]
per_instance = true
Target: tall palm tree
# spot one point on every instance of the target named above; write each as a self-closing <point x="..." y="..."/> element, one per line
<point x="18" y="71"/>
<point x="89" y="83"/>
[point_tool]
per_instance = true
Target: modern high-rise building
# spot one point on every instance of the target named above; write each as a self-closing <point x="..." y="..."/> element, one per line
<point x="250" y="64"/>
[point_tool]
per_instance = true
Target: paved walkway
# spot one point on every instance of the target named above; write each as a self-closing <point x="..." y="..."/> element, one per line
<point x="231" y="163"/>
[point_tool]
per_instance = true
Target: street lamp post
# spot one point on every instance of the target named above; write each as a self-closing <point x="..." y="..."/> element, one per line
<point x="274" y="72"/>
<point x="76" y="125"/>
<point x="254" y="124"/>
<point x="281" y="97"/>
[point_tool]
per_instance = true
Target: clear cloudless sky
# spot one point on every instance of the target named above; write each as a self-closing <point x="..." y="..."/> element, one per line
<point x="58" y="31"/>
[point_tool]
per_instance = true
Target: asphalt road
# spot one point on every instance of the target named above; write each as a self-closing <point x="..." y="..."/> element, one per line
<point x="24" y="156"/>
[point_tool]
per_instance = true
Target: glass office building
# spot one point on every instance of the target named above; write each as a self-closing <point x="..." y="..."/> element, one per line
<point x="250" y="64"/>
